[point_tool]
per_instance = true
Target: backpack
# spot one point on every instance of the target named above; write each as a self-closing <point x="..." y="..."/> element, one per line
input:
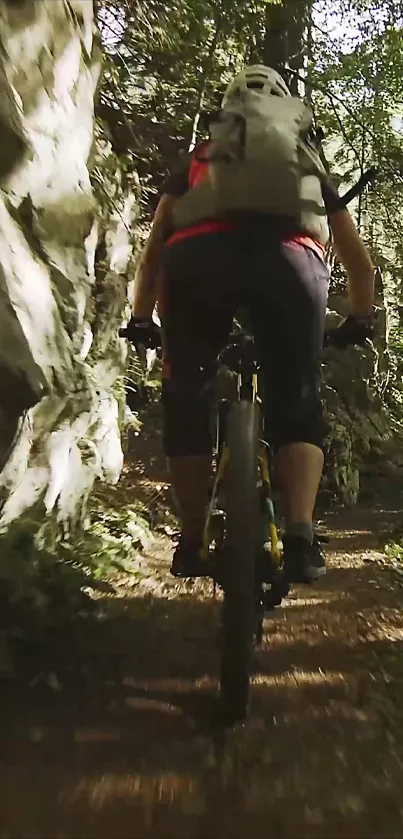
<point x="261" y="158"/>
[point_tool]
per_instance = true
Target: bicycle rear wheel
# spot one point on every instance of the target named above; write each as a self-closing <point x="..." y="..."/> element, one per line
<point x="241" y="533"/>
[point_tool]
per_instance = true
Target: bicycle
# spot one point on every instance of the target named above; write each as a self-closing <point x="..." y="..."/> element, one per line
<point x="240" y="533"/>
<point x="248" y="556"/>
<point x="240" y="536"/>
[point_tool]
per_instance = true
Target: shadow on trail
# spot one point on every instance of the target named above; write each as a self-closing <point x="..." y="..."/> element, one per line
<point x="122" y="749"/>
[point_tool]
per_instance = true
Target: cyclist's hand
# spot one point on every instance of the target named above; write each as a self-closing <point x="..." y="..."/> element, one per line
<point x="352" y="330"/>
<point x="142" y="331"/>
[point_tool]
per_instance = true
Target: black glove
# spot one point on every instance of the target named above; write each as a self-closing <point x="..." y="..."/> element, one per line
<point x="352" y="330"/>
<point x="142" y="331"/>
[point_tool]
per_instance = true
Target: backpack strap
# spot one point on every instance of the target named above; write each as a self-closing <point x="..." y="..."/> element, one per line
<point x="198" y="165"/>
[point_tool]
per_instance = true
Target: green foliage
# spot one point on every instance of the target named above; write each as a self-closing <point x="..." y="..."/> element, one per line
<point x="47" y="580"/>
<point x="357" y="97"/>
<point x="117" y="530"/>
<point x="167" y="62"/>
<point x="394" y="550"/>
<point x="164" y="62"/>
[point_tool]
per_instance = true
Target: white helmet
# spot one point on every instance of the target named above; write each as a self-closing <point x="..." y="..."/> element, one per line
<point x="257" y="77"/>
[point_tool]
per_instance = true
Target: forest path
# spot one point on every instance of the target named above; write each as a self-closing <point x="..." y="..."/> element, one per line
<point x="123" y="751"/>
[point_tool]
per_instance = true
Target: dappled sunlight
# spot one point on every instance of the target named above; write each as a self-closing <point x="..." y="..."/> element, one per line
<point x="149" y="765"/>
<point x="171" y="684"/>
<point x="145" y="703"/>
<point x="297" y="678"/>
<point x="113" y="787"/>
<point x="298" y="601"/>
<point x="386" y="631"/>
<point x="342" y="536"/>
<point x="109" y="666"/>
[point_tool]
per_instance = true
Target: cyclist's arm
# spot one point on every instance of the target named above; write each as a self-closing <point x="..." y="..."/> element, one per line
<point x="355" y="257"/>
<point x="146" y="281"/>
<point x="148" y="271"/>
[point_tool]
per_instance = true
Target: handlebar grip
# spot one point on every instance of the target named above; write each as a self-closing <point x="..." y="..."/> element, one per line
<point x="366" y="178"/>
<point x="335" y="338"/>
<point x="142" y="335"/>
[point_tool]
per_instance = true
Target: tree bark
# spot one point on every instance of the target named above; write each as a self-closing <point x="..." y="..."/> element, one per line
<point x="285" y="45"/>
<point x="275" y="38"/>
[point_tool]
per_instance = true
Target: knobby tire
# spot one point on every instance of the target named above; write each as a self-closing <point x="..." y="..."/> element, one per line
<point x="239" y="606"/>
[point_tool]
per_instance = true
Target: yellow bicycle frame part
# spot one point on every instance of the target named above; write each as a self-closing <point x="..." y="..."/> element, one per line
<point x="274" y="545"/>
<point x="265" y="475"/>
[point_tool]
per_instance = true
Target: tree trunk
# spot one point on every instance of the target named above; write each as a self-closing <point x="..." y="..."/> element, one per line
<point x="275" y="48"/>
<point x="285" y="44"/>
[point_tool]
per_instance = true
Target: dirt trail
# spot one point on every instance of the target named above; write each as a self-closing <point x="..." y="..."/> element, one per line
<point x="123" y="752"/>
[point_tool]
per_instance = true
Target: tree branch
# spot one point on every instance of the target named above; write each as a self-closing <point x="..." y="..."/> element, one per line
<point x="203" y="81"/>
<point x="333" y="96"/>
<point x="345" y="135"/>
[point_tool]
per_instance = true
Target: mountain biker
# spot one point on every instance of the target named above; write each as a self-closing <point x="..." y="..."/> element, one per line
<point x="276" y="269"/>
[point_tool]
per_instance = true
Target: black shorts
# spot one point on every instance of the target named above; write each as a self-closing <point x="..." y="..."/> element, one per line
<point x="283" y="288"/>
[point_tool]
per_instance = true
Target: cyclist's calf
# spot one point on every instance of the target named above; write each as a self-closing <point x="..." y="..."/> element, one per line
<point x="187" y="421"/>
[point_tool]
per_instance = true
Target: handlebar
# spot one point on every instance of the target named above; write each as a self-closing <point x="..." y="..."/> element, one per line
<point x="331" y="338"/>
<point x="150" y="337"/>
<point x="146" y="334"/>
<point x="365" y="179"/>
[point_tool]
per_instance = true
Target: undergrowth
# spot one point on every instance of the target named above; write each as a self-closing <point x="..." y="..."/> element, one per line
<point x="48" y="581"/>
<point x="395" y="550"/>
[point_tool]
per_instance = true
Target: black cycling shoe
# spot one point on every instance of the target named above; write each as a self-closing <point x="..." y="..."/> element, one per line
<point x="303" y="562"/>
<point x="187" y="561"/>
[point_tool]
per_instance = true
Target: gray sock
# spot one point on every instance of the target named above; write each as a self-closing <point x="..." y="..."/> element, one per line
<point x="299" y="528"/>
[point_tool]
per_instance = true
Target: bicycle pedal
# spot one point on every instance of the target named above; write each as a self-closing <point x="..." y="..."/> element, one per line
<point x="322" y="538"/>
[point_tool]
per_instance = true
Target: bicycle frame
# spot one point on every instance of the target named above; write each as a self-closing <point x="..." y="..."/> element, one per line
<point x="245" y="367"/>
